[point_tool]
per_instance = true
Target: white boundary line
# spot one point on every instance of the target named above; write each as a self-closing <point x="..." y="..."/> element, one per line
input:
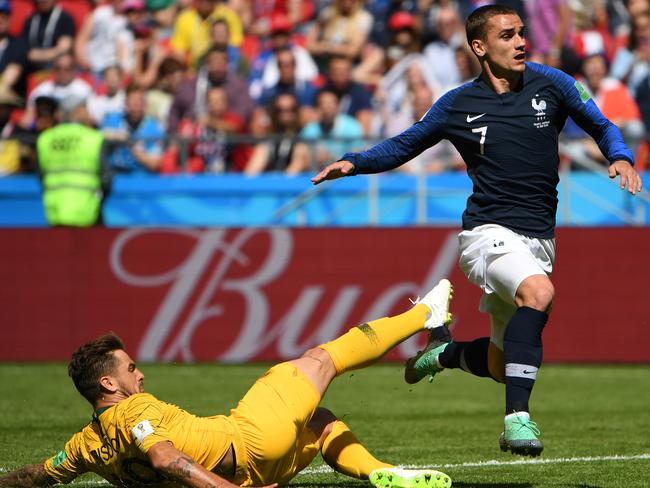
<point x="495" y="462"/>
<point x="477" y="464"/>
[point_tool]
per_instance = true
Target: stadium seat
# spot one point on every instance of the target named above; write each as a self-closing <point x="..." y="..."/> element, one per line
<point x="20" y="10"/>
<point x="79" y="9"/>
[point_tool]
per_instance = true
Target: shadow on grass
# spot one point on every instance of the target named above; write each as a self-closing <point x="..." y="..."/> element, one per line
<point x="460" y="484"/>
<point x="338" y="484"/>
<point x="456" y="484"/>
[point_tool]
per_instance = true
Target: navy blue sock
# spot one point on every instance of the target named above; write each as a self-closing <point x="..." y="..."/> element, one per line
<point x="522" y="347"/>
<point x="469" y="356"/>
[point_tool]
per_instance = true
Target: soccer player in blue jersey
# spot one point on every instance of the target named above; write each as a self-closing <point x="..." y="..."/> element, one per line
<point x="505" y="124"/>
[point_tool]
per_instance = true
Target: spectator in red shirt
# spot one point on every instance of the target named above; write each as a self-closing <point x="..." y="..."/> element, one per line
<point x="257" y="15"/>
<point x="209" y="147"/>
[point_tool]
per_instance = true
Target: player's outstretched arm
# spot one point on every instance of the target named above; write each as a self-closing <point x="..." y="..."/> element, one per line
<point x="178" y="466"/>
<point x="629" y="176"/>
<point x="334" y="171"/>
<point x="30" y="475"/>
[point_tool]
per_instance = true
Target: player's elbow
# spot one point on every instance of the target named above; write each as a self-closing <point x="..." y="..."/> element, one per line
<point x="161" y="455"/>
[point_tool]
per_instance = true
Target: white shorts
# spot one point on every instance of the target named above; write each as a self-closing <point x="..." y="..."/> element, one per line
<point x="497" y="260"/>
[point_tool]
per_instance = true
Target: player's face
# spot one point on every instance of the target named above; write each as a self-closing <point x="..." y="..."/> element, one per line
<point x="128" y="377"/>
<point x="504" y="47"/>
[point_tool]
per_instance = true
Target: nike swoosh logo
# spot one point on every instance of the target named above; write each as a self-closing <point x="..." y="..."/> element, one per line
<point x="527" y="372"/>
<point x="472" y="119"/>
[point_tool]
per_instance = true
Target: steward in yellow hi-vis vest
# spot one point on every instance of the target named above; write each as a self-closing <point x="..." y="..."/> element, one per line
<point x="274" y="432"/>
<point x="70" y="161"/>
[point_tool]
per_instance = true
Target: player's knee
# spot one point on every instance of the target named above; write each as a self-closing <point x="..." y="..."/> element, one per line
<point x="320" y="355"/>
<point x="537" y="293"/>
<point x="322" y="422"/>
<point x="543" y="296"/>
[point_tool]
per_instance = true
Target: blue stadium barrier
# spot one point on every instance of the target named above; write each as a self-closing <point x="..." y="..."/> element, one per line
<point x="274" y="199"/>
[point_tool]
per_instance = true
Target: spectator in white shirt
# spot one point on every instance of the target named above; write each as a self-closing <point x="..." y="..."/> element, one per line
<point x="112" y="97"/>
<point x="64" y="84"/>
<point x="103" y="39"/>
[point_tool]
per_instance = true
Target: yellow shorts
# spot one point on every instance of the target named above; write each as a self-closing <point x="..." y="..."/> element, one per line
<point x="272" y="419"/>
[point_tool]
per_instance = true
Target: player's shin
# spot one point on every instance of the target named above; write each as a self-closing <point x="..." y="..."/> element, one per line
<point x="345" y="454"/>
<point x="522" y="347"/>
<point x="366" y="343"/>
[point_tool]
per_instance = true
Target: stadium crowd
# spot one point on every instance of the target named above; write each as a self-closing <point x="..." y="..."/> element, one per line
<point x="285" y="85"/>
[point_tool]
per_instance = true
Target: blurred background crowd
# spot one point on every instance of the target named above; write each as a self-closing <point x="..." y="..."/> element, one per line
<point x="284" y="85"/>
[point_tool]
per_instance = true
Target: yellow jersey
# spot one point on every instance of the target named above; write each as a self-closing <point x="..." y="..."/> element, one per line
<point x="114" y="444"/>
<point x="192" y="33"/>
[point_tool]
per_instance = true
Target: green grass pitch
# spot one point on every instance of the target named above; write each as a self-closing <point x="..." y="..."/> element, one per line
<point x="595" y="420"/>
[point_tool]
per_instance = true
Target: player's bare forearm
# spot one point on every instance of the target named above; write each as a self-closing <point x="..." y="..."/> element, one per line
<point x="30" y="475"/>
<point x="187" y="472"/>
<point x="180" y="467"/>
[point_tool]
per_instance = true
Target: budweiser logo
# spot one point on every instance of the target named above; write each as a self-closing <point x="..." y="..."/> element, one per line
<point x="259" y="279"/>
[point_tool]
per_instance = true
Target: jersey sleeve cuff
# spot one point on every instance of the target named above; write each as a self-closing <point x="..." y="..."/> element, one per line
<point x="351" y="157"/>
<point x="622" y="158"/>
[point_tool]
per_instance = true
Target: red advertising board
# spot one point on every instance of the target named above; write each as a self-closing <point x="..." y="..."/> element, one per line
<point x="237" y="295"/>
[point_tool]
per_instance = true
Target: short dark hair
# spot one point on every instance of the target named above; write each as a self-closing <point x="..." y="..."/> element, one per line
<point x="169" y="66"/>
<point x="116" y="67"/>
<point x="134" y="87"/>
<point x="220" y="20"/>
<point x="223" y="50"/>
<point x="339" y="57"/>
<point x="285" y="49"/>
<point x="476" y="25"/>
<point x="92" y="361"/>
<point x="327" y="89"/>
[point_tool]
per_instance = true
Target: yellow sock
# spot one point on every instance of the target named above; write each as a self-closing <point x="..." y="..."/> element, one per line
<point x="366" y="343"/>
<point x="345" y="454"/>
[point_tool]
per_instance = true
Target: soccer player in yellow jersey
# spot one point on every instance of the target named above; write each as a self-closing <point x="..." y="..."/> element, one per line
<point x="275" y="431"/>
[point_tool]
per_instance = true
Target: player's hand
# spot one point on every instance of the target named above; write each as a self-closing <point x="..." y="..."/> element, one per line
<point x="629" y="176"/>
<point x="333" y="171"/>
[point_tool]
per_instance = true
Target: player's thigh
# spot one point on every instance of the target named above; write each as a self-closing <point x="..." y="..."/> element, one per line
<point x="498" y="260"/>
<point x="272" y="418"/>
<point x="506" y="273"/>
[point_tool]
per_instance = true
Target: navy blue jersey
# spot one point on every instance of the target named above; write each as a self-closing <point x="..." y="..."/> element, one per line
<point x="509" y="142"/>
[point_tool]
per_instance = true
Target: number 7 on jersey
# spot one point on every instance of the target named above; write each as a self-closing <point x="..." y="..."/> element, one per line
<point x="483" y="132"/>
